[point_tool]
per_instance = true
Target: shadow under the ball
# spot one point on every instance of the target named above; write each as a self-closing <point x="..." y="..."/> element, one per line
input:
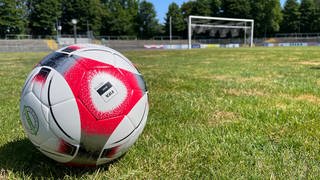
<point x="22" y="157"/>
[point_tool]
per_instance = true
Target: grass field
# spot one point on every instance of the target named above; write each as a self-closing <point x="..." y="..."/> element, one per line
<point x="219" y="113"/>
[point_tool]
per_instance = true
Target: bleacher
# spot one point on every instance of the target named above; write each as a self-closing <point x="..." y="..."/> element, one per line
<point x="26" y="45"/>
<point x="137" y="44"/>
<point x="41" y="45"/>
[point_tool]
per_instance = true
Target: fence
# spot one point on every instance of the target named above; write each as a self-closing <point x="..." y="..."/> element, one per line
<point x="37" y="45"/>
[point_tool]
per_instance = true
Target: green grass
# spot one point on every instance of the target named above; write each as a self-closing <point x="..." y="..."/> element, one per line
<point x="218" y="113"/>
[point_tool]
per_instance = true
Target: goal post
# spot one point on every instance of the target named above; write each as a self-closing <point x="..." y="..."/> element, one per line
<point x="204" y="22"/>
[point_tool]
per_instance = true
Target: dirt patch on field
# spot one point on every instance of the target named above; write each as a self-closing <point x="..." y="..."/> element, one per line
<point x="281" y="106"/>
<point x="3" y="174"/>
<point x="244" y="92"/>
<point x="251" y="79"/>
<point x="154" y="56"/>
<point x="221" y="77"/>
<point x="206" y="62"/>
<point x="238" y="79"/>
<point x="176" y="80"/>
<point x="146" y="66"/>
<point x="311" y="63"/>
<point x="304" y="97"/>
<point x="292" y="59"/>
<point x="309" y="98"/>
<point x="221" y="117"/>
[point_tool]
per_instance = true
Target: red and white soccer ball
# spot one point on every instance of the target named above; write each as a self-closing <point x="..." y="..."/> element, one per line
<point x="84" y="105"/>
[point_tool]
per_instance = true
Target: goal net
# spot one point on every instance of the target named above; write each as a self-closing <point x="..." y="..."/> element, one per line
<point x="220" y="31"/>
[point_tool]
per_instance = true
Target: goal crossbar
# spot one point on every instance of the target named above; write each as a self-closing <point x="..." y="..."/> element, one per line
<point x="221" y="18"/>
<point x="245" y="27"/>
<point x="221" y="26"/>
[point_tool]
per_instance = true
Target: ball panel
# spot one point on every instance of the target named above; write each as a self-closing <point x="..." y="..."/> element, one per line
<point x="140" y="83"/>
<point x="60" y="62"/>
<point x="39" y="81"/>
<point x="106" y="56"/>
<point x="116" y="149"/>
<point x="86" y="118"/>
<point x="74" y="76"/>
<point x="59" y="131"/>
<point x="33" y="119"/>
<point x="137" y="112"/>
<point x="67" y="148"/>
<point x="45" y="111"/>
<point x="108" y="155"/>
<point x="27" y="87"/>
<point x="56" y="156"/>
<point x="67" y="117"/>
<point x="69" y="49"/>
<point x="45" y="90"/>
<point x="59" y="90"/>
<point x="123" y="63"/>
<point x="90" y="64"/>
<point x="60" y="147"/>
<point x="134" y="136"/>
<point x="91" y="128"/>
<point x="90" y="125"/>
<point x="123" y="130"/>
<point x="103" y="56"/>
<point x="134" y="81"/>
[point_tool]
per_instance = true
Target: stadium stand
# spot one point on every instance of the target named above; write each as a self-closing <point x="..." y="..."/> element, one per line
<point x="27" y="45"/>
<point x="40" y="45"/>
<point x="137" y="44"/>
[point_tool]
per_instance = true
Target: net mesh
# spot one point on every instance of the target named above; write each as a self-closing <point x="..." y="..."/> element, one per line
<point x="220" y="31"/>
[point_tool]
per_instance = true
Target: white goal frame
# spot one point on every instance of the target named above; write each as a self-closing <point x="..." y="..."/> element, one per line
<point x="245" y="27"/>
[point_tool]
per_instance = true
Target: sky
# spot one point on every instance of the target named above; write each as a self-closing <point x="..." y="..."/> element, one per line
<point x="162" y="7"/>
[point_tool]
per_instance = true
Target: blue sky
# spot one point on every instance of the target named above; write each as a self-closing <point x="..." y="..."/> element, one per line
<point x="162" y="7"/>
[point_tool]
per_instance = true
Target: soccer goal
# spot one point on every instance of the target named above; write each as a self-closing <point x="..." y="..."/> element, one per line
<point x="218" y="30"/>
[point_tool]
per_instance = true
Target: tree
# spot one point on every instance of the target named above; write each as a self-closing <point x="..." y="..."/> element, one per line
<point x="87" y="13"/>
<point x="307" y="18"/>
<point x="317" y="15"/>
<point x="43" y="16"/>
<point x="94" y="14"/>
<point x="147" y="22"/>
<point x="267" y="15"/>
<point x="178" y="23"/>
<point x="12" y="17"/>
<point x="203" y="7"/>
<point x="236" y="8"/>
<point x="120" y="17"/>
<point x="317" y="3"/>
<point x="215" y="7"/>
<point x="200" y="8"/>
<point x="197" y="8"/>
<point x="291" y="17"/>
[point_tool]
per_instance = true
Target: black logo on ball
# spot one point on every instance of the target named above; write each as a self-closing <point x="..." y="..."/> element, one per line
<point x="106" y="91"/>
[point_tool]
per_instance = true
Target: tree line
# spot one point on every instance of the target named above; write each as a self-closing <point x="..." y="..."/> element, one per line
<point x="138" y="17"/>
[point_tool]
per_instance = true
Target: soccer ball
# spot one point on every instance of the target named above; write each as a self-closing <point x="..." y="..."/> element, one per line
<point x="84" y="105"/>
